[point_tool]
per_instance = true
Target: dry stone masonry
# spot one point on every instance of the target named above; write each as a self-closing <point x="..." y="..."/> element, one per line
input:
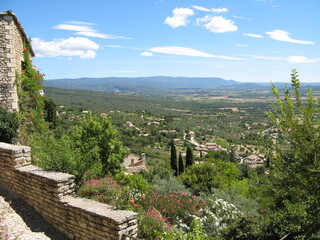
<point x="12" y="36"/>
<point x="52" y="195"/>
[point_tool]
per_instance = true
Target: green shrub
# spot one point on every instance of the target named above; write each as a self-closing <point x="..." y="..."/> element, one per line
<point x="9" y="125"/>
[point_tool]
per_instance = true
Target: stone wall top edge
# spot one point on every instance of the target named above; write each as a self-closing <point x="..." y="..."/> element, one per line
<point x="10" y="147"/>
<point x="57" y="177"/>
<point x="100" y="209"/>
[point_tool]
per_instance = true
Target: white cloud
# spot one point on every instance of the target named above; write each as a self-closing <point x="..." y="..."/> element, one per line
<point x="219" y="10"/>
<point x="179" y="18"/>
<point x="84" y="28"/>
<point x="240" y="17"/>
<point x="88" y="54"/>
<point x="215" y="10"/>
<point x="302" y="59"/>
<point x="115" y="46"/>
<point x="241" y="45"/>
<point x="147" y="54"/>
<point x="183" y="51"/>
<point x="267" y="58"/>
<point x="202" y="9"/>
<point x="253" y="35"/>
<point x="73" y="46"/>
<point x="70" y="27"/>
<point x="80" y="23"/>
<point x="291" y="59"/>
<point x="100" y="35"/>
<point x="283" y="36"/>
<point x="217" y="24"/>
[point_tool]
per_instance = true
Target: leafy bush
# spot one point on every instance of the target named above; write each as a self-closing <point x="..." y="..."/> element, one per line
<point x="208" y="176"/>
<point x="9" y="125"/>
<point x="167" y="185"/>
<point x="136" y="182"/>
<point x="195" y="233"/>
<point x="90" y="149"/>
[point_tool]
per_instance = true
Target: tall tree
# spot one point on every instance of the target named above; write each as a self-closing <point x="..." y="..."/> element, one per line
<point x="296" y="174"/>
<point x="189" y="157"/>
<point x="181" y="165"/>
<point x="98" y="140"/>
<point x="173" y="159"/>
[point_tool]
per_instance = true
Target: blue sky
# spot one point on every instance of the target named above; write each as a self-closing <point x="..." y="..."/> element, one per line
<point x="242" y="40"/>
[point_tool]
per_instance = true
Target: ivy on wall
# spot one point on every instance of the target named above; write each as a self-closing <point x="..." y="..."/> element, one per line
<point x="31" y="101"/>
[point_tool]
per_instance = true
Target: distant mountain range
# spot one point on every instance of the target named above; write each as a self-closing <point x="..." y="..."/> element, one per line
<point x="153" y="84"/>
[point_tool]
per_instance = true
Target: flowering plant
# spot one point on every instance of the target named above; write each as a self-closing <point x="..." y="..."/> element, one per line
<point x="31" y="102"/>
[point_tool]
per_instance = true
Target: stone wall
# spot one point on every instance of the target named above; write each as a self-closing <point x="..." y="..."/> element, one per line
<point x="11" y="56"/>
<point x="52" y="195"/>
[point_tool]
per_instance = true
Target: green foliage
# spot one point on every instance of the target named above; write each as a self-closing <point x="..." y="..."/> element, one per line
<point x="242" y="227"/>
<point x="91" y="149"/>
<point x="50" y="109"/>
<point x="134" y="181"/>
<point x="175" y="207"/>
<point x="9" y="124"/>
<point x="167" y="185"/>
<point x="292" y="220"/>
<point x="107" y="190"/>
<point x="98" y="141"/>
<point x="234" y="196"/>
<point x="208" y="176"/>
<point x="219" y="155"/>
<point x="196" y="232"/>
<point x="296" y="165"/>
<point x="232" y="155"/>
<point x="58" y="154"/>
<point x="31" y="102"/>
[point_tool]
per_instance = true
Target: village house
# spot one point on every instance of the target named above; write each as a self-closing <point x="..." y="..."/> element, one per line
<point x="134" y="163"/>
<point x="192" y="134"/>
<point x="212" y="146"/>
<point x="254" y="161"/>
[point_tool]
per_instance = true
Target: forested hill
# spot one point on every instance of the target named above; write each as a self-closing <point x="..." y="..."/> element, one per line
<point x="140" y="84"/>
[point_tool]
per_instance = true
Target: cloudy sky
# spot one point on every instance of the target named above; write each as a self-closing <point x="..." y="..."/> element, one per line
<point x="242" y="40"/>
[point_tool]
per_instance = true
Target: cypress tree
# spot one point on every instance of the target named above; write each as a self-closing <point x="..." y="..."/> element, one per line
<point x="232" y="155"/>
<point x="181" y="165"/>
<point x="173" y="160"/>
<point x="189" y="157"/>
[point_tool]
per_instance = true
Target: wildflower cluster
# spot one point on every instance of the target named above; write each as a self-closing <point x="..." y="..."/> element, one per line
<point x="173" y="206"/>
<point x="158" y="213"/>
<point x="217" y="215"/>
<point x="107" y="190"/>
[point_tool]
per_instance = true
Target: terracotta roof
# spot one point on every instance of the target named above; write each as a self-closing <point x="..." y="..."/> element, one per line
<point x="10" y="13"/>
